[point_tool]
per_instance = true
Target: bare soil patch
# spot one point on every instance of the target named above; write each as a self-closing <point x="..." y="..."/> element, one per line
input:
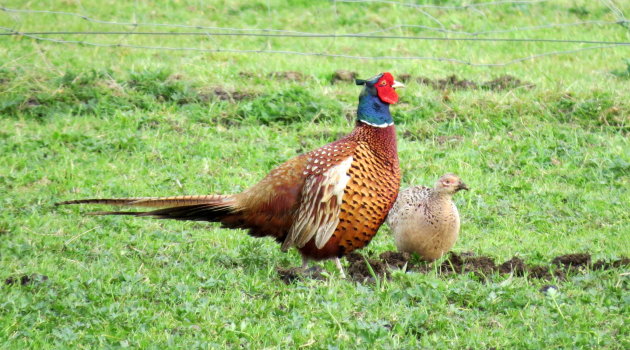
<point x="25" y="280"/>
<point x="466" y="262"/>
<point x="292" y="274"/>
<point x="453" y="82"/>
<point x="288" y="75"/>
<point x="226" y="95"/>
<point x="449" y="83"/>
<point x="341" y="76"/>
<point x="506" y="82"/>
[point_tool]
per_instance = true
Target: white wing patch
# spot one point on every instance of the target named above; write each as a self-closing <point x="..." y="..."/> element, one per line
<point x="318" y="214"/>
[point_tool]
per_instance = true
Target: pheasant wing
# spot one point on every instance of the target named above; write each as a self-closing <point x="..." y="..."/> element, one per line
<point x="317" y="215"/>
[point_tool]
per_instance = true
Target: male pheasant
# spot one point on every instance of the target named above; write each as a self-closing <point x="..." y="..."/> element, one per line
<point x="425" y="220"/>
<point x="326" y="203"/>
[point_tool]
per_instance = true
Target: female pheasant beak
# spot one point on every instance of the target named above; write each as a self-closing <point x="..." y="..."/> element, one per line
<point x="462" y="186"/>
<point x="398" y="84"/>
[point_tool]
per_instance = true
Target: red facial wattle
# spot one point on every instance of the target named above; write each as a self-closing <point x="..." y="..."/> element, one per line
<point x="385" y="90"/>
<point x="387" y="94"/>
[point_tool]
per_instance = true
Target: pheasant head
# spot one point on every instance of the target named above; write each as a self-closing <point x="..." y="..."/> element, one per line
<point x="450" y="184"/>
<point x="379" y="92"/>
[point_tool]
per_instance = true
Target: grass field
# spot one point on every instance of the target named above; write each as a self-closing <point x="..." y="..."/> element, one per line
<point x="548" y="165"/>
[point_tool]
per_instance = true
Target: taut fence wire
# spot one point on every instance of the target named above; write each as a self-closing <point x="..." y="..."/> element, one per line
<point x="66" y="36"/>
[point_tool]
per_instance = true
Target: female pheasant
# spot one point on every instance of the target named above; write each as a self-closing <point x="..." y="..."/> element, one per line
<point x="326" y="203"/>
<point x="425" y="220"/>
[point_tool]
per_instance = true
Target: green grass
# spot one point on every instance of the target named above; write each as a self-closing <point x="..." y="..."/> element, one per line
<point x="549" y="169"/>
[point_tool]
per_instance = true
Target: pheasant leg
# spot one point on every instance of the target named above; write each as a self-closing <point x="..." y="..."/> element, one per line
<point x="304" y="263"/>
<point x="340" y="268"/>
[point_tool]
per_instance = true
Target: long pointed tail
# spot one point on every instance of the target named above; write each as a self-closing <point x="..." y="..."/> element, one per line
<point x="198" y="208"/>
<point x="152" y="202"/>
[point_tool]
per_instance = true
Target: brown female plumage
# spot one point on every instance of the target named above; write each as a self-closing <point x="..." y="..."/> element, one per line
<point x="425" y="220"/>
<point x="326" y="203"/>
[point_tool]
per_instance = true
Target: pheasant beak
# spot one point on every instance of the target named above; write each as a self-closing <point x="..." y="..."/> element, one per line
<point x="398" y="84"/>
<point x="462" y="186"/>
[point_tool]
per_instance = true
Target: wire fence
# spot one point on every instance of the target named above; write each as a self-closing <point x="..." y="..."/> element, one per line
<point x="65" y="36"/>
<point x="448" y="7"/>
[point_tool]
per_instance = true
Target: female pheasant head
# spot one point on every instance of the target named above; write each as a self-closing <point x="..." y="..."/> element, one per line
<point x="379" y="92"/>
<point x="450" y="184"/>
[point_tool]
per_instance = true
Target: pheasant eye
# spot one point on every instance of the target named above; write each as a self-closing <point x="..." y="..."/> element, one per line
<point x="383" y="83"/>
